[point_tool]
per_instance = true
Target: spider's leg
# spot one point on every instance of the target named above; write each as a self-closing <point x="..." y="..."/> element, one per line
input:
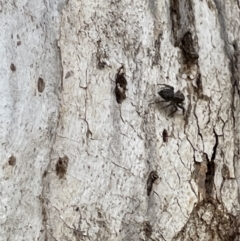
<point x="181" y="107"/>
<point x="164" y="106"/>
<point x="168" y="105"/>
<point x="158" y="101"/>
<point x="174" y="110"/>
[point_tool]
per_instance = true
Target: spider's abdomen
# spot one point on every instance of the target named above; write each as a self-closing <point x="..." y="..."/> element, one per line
<point x="178" y="97"/>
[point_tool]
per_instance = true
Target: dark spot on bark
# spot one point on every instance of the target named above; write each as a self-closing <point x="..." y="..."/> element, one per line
<point x="41" y="85"/>
<point x="176" y="17"/>
<point x="45" y="173"/>
<point x="147" y="229"/>
<point x="188" y="47"/>
<point x="215" y="146"/>
<point x="153" y="176"/>
<point x="121" y="85"/>
<point x="101" y="56"/>
<point x="77" y="209"/>
<point x="68" y="74"/>
<point x="99" y="215"/>
<point x="44" y="213"/>
<point x="165" y="135"/>
<point x="157" y="46"/>
<point x="209" y="181"/>
<point x="12" y="160"/>
<point x="199" y="83"/>
<point x="61" y="166"/>
<point x="13" y="67"/>
<point x="225" y="172"/>
<point x="234" y="65"/>
<point x="182" y="18"/>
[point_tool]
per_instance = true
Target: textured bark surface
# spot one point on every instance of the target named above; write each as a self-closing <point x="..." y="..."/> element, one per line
<point x="86" y="153"/>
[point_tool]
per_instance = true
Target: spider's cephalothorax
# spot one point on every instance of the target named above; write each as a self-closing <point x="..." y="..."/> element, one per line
<point x="176" y="99"/>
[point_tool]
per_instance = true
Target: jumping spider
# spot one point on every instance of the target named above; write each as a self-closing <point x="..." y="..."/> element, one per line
<point x="176" y="99"/>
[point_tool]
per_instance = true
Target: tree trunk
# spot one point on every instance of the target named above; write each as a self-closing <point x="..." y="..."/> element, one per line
<point x="88" y="150"/>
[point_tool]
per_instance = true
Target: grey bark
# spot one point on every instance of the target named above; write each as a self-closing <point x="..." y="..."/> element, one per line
<point x="87" y="150"/>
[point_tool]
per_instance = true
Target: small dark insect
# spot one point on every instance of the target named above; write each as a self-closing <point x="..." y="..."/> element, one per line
<point x="121" y="85"/>
<point x="165" y="135"/>
<point x="153" y="176"/>
<point x="176" y="99"/>
<point x="147" y="228"/>
<point x="188" y="47"/>
<point x="61" y="166"/>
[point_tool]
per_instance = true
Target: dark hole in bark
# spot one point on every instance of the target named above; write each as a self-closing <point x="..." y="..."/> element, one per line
<point x="209" y="181"/>
<point x="165" y="135"/>
<point x="188" y="47"/>
<point x="61" y="166"/>
<point x="199" y="83"/>
<point x="45" y="173"/>
<point x="147" y="229"/>
<point x="41" y="85"/>
<point x="12" y="160"/>
<point x="13" y="67"/>
<point x="121" y="85"/>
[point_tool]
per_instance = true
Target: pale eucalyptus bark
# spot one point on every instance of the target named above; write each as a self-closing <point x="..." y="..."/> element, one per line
<point x="85" y="154"/>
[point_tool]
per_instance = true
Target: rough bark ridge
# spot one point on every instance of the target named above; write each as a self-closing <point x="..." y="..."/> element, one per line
<point x="86" y="153"/>
<point x="30" y="82"/>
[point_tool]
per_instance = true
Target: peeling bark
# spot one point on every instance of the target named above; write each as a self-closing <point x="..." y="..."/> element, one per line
<point x="209" y="221"/>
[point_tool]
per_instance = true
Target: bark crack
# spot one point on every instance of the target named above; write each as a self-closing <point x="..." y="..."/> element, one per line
<point x="120" y="166"/>
<point x="180" y="156"/>
<point x="199" y="131"/>
<point x="192" y="189"/>
<point x="181" y="209"/>
<point x="215" y="146"/>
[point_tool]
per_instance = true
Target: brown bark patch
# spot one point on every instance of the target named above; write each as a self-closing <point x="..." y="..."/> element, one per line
<point x="121" y="85"/>
<point x="12" y="160"/>
<point x="211" y="217"/>
<point x="61" y="166"/>
<point x="13" y="67"/>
